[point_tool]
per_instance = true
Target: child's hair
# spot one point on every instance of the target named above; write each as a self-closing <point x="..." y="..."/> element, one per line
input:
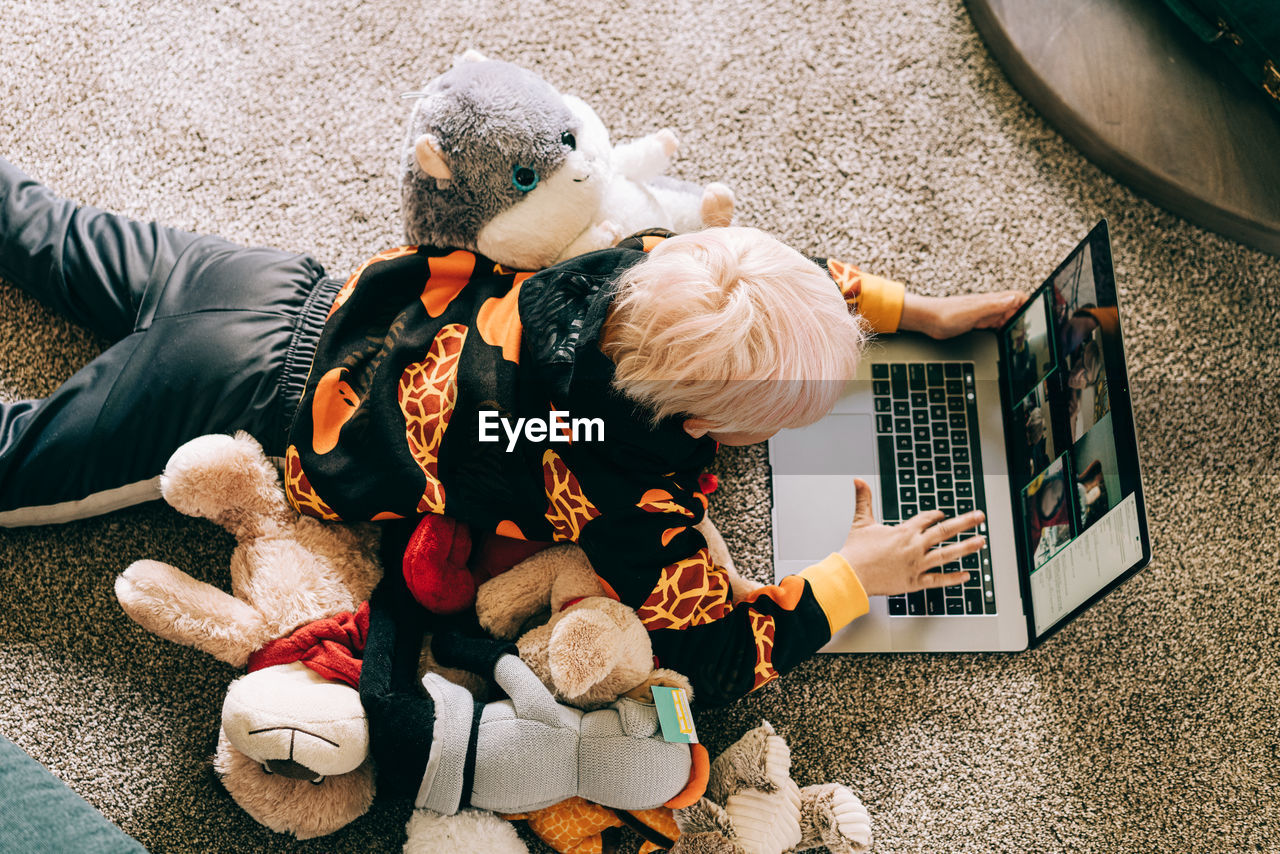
<point x="732" y="326"/>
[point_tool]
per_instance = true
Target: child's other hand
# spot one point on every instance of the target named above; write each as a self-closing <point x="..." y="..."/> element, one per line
<point x="891" y="559"/>
<point x="944" y="317"/>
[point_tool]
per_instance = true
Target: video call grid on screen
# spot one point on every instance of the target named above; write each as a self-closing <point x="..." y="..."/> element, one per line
<point x="1066" y="470"/>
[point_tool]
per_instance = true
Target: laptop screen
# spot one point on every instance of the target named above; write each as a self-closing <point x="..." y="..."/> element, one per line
<point x="1073" y="457"/>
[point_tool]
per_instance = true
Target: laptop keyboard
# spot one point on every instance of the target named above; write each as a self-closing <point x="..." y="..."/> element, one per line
<point x="927" y="440"/>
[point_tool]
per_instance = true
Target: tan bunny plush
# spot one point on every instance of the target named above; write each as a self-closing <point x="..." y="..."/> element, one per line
<point x="293" y="749"/>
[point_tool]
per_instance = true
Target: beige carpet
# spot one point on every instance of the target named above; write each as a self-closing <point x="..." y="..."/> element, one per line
<point x="880" y="131"/>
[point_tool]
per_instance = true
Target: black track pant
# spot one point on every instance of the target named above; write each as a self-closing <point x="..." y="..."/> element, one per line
<point x="206" y="337"/>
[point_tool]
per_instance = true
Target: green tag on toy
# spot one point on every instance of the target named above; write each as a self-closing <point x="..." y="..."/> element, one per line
<point x="674" y="715"/>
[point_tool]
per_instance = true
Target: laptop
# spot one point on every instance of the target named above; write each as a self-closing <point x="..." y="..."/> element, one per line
<point x="1031" y="423"/>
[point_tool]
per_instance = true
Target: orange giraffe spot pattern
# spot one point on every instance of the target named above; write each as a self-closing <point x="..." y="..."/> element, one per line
<point x="762" y="628"/>
<point x="786" y="593"/>
<point x="498" y="322"/>
<point x="349" y="286"/>
<point x="661" y="501"/>
<point x="448" y="275"/>
<point x="574" y="826"/>
<point x="507" y="528"/>
<point x="333" y="405"/>
<point x="848" y="278"/>
<point x="299" y="491"/>
<point x="671" y="533"/>
<point x="568" y="509"/>
<point x="428" y="393"/>
<point x="690" y="592"/>
<point x="519" y="277"/>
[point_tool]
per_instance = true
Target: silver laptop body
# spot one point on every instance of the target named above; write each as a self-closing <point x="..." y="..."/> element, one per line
<point x="813" y="503"/>
<point x="1065" y="527"/>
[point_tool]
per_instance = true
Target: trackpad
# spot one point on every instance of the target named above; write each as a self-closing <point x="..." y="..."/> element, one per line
<point x="813" y="472"/>
<point x="837" y="444"/>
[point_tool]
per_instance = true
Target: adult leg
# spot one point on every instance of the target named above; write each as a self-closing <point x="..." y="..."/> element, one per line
<point x="93" y="267"/>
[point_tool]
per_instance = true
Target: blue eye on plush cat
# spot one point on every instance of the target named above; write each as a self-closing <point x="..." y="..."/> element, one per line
<point x="473" y="129"/>
<point x="524" y="178"/>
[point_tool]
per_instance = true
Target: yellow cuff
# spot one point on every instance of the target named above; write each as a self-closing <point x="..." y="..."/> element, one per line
<point x="881" y="302"/>
<point x="838" y="591"/>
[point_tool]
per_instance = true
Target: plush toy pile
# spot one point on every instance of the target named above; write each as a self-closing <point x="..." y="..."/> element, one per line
<point x="353" y="675"/>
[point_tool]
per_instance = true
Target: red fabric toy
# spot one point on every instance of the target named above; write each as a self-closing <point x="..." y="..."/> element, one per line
<point x="332" y="647"/>
<point x="442" y="569"/>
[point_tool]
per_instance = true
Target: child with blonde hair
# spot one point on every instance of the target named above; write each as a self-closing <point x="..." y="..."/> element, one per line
<point x="721" y="323"/>
<point x="382" y="394"/>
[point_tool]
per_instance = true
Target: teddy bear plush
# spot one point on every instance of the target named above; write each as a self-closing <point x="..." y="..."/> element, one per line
<point x="753" y="806"/>
<point x="293" y="743"/>
<point x="498" y="162"/>
<point x="592" y="650"/>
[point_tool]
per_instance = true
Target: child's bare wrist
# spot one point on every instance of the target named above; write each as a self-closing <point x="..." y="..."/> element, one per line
<point x="853" y="565"/>
<point x="919" y="313"/>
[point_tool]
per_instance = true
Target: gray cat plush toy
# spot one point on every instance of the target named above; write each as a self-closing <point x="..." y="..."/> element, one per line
<point x="498" y="162"/>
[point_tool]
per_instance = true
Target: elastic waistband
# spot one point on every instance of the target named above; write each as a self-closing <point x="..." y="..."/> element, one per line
<point x="302" y="350"/>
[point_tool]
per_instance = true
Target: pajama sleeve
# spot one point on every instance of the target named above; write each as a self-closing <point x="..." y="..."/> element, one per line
<point x="877" y="299"/>
<point x="654" y="560"/>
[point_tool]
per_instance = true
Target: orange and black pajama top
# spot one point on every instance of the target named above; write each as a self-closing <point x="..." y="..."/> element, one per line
<point x="420" y="341"/>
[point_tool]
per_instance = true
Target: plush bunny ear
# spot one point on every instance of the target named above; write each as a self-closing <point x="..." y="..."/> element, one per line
<point x="169" y="603"/>
<point x="430" y="157"/>
<point x="470" y="55"/>
<point x="227" y="479"/>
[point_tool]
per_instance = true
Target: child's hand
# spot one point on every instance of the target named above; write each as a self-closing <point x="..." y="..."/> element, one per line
<point x="944" y="317"/>
<point x="891" y="559"/>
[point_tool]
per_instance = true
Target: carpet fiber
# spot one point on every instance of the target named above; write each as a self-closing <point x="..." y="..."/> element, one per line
<point x="881" y="132"/>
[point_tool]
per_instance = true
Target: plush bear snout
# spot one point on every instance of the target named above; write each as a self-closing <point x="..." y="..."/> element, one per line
<point x="287" y="715"/>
